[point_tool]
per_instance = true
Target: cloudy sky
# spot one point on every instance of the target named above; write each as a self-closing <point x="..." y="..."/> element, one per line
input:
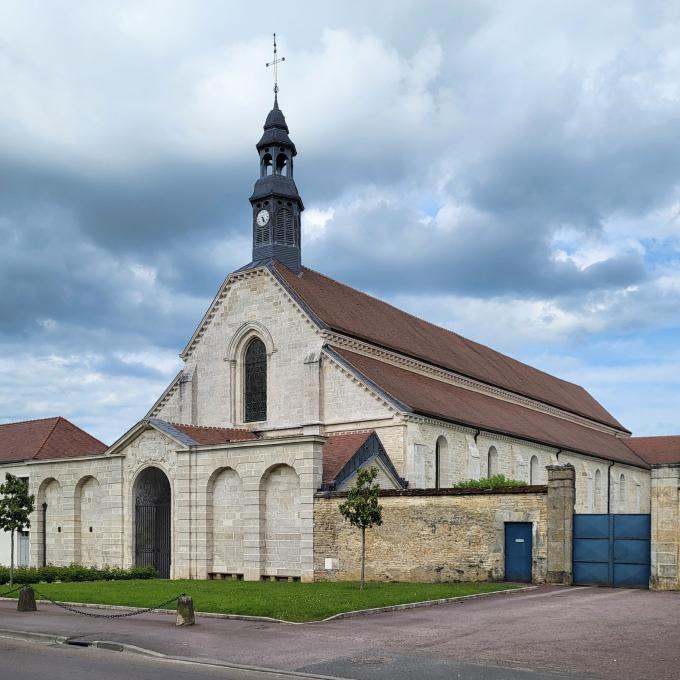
<point x="510" y="170"/>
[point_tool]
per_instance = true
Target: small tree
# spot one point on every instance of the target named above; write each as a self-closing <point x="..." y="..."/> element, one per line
<point x="362" y="510"/>
<point x="16" y="504"/>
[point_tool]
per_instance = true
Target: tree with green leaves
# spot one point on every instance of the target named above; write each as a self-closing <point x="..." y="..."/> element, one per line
<point x="16" y="504"/>
<point x="362" y="510"/>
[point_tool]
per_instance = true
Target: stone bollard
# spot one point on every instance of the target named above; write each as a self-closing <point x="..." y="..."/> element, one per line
<point x="26" y="601"/>
<point x="185" y="611"/>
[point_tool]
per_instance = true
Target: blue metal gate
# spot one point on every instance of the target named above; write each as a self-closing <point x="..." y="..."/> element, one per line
<point x="518" y="552"/>
<point x="612" y="550"/>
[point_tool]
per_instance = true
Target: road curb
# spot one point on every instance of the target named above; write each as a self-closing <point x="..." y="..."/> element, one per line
<point x="46" y="638"/>
<point x="269" y="619"/>
<point x="29" y="636"/>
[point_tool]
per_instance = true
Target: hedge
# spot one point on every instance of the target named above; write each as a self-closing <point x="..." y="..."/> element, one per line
<point x="495" y="482"/>
<point x="74" y="572"/>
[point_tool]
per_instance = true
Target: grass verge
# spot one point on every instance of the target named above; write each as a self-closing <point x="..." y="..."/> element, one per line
<point x="288" y="601"/>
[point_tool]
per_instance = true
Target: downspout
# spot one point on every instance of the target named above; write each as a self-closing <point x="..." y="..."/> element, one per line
<point x="609" y="487"/>
<point x="44" y="534"/>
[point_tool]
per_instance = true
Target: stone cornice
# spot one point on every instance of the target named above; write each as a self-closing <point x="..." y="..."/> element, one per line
<point x="66" y="461"/>
<point x="485" y="434"/>
<point x="452" y="378"/>
<point x="165" y="397"/>
<point x="257" y="443"/>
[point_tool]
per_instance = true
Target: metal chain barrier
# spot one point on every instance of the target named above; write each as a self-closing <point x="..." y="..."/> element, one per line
<point x="9" y="592"/>
<point x="94" y="615"/>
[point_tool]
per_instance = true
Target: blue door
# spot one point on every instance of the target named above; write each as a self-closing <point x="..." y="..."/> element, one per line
<point x="612" y="550"/>
<point x="518" y="552"/>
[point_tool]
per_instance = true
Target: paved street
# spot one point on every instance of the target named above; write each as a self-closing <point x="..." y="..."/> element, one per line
<point x="37" y="661"/>
<point x="577" y="632"/>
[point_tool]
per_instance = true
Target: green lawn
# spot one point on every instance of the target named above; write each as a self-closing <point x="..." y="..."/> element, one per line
<point x="287" y="601"/>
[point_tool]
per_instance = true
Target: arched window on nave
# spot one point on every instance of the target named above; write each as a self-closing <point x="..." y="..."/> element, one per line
<point x="255" y="378"/>
<point x="533" y="470"/>
<point x="492" y="467"/>
<point x="440" y="462"/>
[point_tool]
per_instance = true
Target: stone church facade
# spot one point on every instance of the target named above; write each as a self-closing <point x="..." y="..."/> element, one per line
<point x="292" y="382"/>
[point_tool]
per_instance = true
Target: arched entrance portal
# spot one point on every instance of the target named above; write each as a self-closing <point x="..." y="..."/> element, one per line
<point x="152" y="521"/>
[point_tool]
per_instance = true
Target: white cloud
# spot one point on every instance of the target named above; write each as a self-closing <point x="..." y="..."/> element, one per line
<point x="79" y="388"/>
<point x="495" y="167"/>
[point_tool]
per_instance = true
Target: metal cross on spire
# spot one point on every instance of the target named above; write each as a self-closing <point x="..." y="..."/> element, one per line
<point x="275" y="64"/>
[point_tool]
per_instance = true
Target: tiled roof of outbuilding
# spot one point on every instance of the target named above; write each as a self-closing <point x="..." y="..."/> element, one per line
<point x="430" y="397"/>
<point x="46" y="439"/>
<point x="337" y="451"/>
<point x="657" y="450"/>
<point x="351" y="312"/>
<point x="203" y="436"/>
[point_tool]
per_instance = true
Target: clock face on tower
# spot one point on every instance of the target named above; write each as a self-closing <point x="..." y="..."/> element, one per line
<point x="262" y="218"/>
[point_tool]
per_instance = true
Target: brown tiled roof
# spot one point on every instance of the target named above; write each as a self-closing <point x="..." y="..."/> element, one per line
<point x="338" y="450"/>
<point x="656" y="450"/>
<point x="46" y="439"/>
<point x="351" y="312"/>
<point x="214" y="435"/>
<point x="427" y="396"/>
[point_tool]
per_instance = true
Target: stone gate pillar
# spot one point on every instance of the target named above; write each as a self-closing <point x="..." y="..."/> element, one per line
<point x="665" y="544"/>
<point x="561" y="498"/>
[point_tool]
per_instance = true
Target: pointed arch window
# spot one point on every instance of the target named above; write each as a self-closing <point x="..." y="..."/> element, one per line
<point x="255" y="396"/>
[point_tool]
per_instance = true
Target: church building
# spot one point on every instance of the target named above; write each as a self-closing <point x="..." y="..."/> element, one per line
<point x="292" y="382"/>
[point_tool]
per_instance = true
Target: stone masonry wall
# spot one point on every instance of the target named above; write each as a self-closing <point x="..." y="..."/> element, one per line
<point x="450" y="534"/>
<point x="665" y="574"/>
<point x="440" y="536"/>
<point x="80" y="493"/>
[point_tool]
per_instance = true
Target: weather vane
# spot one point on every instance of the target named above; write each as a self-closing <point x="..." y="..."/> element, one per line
<point x="275" y="64"/>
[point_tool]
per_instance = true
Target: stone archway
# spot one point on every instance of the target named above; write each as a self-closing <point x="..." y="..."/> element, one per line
<point x="153" y="520"/>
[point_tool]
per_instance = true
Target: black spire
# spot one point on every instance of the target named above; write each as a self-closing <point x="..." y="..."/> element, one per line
<point x="276" y="202"/>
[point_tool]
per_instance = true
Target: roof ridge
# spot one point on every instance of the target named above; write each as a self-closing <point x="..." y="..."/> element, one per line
<point x="49" y="434"/>
<point x="32" y="420"/>
<point x="437" y="326"/>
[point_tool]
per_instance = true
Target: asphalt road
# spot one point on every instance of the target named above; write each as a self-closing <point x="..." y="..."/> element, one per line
<point x="38" y="661"/>
<point x="598" y="633"/>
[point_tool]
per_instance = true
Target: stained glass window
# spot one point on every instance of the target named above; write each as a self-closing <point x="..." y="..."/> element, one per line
<point x="256" y="382"/>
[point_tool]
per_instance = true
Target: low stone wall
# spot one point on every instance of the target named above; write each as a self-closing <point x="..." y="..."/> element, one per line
<point x="431" y="535"/>
<point x="449" y="534"/>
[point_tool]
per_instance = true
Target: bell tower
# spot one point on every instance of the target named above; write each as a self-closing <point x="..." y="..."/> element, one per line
<point x="276" y="203"/>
